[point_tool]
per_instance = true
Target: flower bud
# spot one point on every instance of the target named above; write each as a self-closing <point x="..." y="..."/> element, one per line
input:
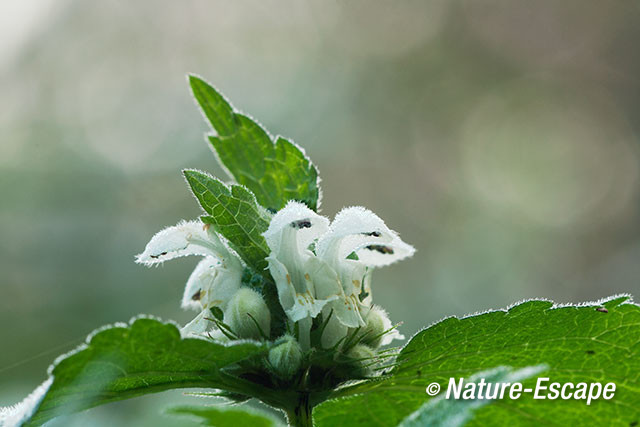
<point x="377" y="323"/>
<point x="248" y="315"/>
<point x="285" y="358"/>
<point x="363" y="358"/>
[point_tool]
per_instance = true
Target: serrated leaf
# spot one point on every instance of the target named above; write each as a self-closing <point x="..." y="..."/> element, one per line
<point x="235" y="214"/>
<point x="585" y="343"/>
<point x="144" y="357"/>
<point x="225" y="416"/>
<point x="443" y="412"/>
<point x="275" y="170"/>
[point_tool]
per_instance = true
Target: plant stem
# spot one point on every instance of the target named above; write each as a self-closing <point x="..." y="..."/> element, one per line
<point x="300" y="416"/>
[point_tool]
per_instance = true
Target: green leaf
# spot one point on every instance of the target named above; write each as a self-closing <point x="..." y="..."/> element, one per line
<point x="147" y="356"/>
<point x="583" y="343"/>
<point x="225" y="416"/>
<point x="275" y="172"/>
<point x="235" y="214"/>
<point x="442" y="412"/>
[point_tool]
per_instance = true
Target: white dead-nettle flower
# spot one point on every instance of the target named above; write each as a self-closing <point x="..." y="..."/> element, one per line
<point x="214" y="281"/>
<point x="325" y="268"/>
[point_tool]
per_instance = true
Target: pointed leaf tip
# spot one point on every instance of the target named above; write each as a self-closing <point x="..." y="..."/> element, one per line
<point x="275" y="170"/>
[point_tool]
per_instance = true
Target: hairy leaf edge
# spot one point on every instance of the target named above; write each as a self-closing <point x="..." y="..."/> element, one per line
<point x="346" y="390"/>
<point x="28" y="406"/>
<point x="273" y="139"/>
<point x="625" y="297"/>
<point x="228" y="185"/>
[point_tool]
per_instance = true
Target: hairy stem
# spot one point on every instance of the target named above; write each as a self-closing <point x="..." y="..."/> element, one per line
<point x="300" y="415"/>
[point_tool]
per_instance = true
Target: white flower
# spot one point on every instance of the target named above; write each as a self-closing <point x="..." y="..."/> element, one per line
<point x="214" y="281"/>
<point x="291" y="231"/>
<point x="336" y="277"/>
<point x="357" y="232"/>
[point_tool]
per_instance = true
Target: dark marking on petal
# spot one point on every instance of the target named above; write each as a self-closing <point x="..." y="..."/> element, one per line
<point x="373" y="234"/>
<point x="300" y="224"/>
<point x="158" y="256"/>
<point x="602" y="310"/>
<point x="386" y="250"/>
<point x="197" y="295"/>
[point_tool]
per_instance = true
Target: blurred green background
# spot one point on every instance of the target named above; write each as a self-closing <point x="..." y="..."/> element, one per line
<point x="499" y="138"/>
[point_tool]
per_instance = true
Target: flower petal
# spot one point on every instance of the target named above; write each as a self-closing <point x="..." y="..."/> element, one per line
<point x="290" y="233"/>
<point x="200" y="281"/>
<point x="393" y="334"/>
<point x="295" y="216"/>
<point x="297" y="303"/>
<point x="186" y="238"/>
<point x="213" y="283"/>
<point x="198" y="326"/>
<point x="333" y="332"/>
<point x="375" y="255"/>
<point x="359" y="230"/>
<point x="347" y="310"/>
<point x="306" y="306"/>
<point x="280" y="274"/>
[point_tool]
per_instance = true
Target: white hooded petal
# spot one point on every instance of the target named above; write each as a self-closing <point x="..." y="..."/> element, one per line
<point x="290" y="233"/>
<point x="375" y="255"/>
<point x="295" y="216"/>
<point x="359" y="230"/>
<point x="186" y="238"/>
<point x="212" y="283"/>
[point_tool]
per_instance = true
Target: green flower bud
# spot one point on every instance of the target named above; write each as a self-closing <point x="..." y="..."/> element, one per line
<point x="248" y="315"/>
<point x="285" y="358"/>
<point x="363" y="358"/>
<point x="377" y="323"/>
